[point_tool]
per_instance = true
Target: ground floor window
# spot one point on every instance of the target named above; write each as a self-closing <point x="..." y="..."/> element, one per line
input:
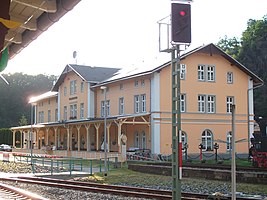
<point x="140" y="140"/>
<point x="207" y="140"/>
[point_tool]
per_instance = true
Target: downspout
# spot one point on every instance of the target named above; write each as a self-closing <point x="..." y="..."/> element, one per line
<point x="248" y="111"/>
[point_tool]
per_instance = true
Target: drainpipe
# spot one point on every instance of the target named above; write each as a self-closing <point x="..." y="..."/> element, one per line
<point x="249" y="110"/>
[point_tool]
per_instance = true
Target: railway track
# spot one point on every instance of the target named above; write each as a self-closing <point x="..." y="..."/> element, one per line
<point x="13" y="193"/>
<point x="111" y="189"/>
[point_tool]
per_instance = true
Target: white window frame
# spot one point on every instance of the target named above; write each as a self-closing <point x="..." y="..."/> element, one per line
<point x="136" y="103"/>
<point x="182" y="71"/>
<point x="201" y="72"/>
<point x="229" y="77"/>
<point x="103" y="108"/>
<point x="211" y="99"/>
<point x="143" y="103"/>
<point x="207" y="140"/>
<point x="49" y="116"/>
<point x="73" y="87"/>
<point x="56" y="115"/>
<point x="229" y="103"/>
<point x="65" y="112"/>
<point x="143" y="140"/>
<point x="82" y="87"/>
<point x="210" y="73"/>
<point x="65" y="91"/>
<point x="136" y="140"/>
<point x="121" y="106"/>
<point x="201" y="103"/>
<point x="81" y="110"/>
<point x="73" y="111"/>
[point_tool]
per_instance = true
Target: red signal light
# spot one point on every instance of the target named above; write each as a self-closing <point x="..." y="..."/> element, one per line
<point x="182" y="13"/>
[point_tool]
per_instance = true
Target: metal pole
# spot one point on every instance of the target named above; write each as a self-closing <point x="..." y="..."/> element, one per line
<point x="105" y="130"/>
<point x="233" y="167"/>
<point x="176" y="125"/>
<point x="31" y="134"/>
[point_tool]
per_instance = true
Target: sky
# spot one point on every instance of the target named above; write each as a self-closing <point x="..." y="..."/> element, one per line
<point x="125" y="34"/>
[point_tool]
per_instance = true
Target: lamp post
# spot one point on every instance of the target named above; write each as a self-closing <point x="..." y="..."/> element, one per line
<point x="104" y="88"/>
<point x="31" y="142"/>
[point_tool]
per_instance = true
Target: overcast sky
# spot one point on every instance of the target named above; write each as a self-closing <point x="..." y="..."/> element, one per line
<point x="124" y="33"/>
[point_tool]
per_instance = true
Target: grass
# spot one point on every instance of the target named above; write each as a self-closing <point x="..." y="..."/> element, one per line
<point x="125" y="176"/>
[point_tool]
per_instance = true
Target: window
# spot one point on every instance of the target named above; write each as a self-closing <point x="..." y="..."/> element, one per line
<point x="206" y="73"/>
<point x="143" y="82"/>
<point x="82" y="87"/>
<point x="210" y="73"/>
<point x="182" y="71"/>
<point x="73" y="87"/>
<point x="211" y="104"/>
<point x="136" y="104"/>
<point x="73" y="111"/>
<point x="201" y="103"/>
<point x="103" y="108"/>
<point x="121" y="86"/>
<point x="182" y="102"/>
<point x="65" y="113"/>
<point x="200" y="72"/>
<point x="81" y="110"/>
<point x="136" y="83"/>
<point x="121" y="106"/>
<point x="229" y="141"/>
<point x="207" y="140"/>
<point x="143" y="143"/>
<point x="143" y="103"/>
<point x="136" y="139"/>
<point x="49" y="116"/>
<point x="229" y="77"/>
<point x="48" y="101"/>
<point x="65" y="91"/>
<point x="56" y="114"/>
<point x="229" y="103"/>
<point x="41" y="117"/>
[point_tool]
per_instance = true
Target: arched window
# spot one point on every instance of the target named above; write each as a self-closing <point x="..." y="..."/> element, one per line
<point x="229" y="141"/>
<point x="143" y="144"/>
<point x="207" y="140"/>
<point x="136" y="139"/>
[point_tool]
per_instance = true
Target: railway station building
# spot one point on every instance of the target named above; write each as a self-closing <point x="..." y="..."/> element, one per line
<point x="69" y="119"/>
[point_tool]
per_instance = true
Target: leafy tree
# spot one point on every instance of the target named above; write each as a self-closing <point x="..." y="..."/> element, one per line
<point x="14" y="97"/>
<point x="23" y="121"/>
<point x="230" y="45"/>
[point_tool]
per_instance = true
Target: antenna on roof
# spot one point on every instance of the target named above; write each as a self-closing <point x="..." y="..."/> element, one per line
<point x="74" y="55"/>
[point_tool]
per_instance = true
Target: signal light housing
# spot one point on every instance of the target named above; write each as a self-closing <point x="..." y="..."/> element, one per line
<point x="181" y="22"/>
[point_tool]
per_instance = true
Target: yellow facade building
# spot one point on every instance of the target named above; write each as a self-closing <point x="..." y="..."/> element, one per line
<point x="69" y="119"/>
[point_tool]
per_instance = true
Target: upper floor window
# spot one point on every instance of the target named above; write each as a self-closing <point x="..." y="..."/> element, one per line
<point x="49" y="116"/>
<point x="229" y="103"/>
<point x="48" y="101"/>
<point x="82" y="87"/>
<point x="207" y="140"/>
<point x="200" y="73"/>
<point x="65" y="115"/>
<point x="81" y="110"/>
<point x="121" y="106"/>
<point x="143" y="82"/>
<point x="210" y="73"/>
<point x="103" y="108"/>
<point x="211" y="104"/>
<point x="182" y="103"/>
<point x="56" y="114"/>
<point x="201" y="103"/>
<point x="229" y="77"/>
<point x="136" y="83"/>
<point x="65" y="91"/>
<point x="182" y="71"/>
<point x="41" y="117"/>
<point x="143" y="103"/>
<point x="73" y="87"/>
<point x="206" y="73"/>
<point x="121" y="86"/>
<point x="136" y="103"/>
<point x="73" y="111"/>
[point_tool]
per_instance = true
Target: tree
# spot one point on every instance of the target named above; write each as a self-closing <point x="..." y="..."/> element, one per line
<point x="23" y="121"/>
<point x="230" y="45"/>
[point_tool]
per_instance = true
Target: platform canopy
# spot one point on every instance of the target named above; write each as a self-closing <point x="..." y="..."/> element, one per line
<point x="22" y="21"/>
